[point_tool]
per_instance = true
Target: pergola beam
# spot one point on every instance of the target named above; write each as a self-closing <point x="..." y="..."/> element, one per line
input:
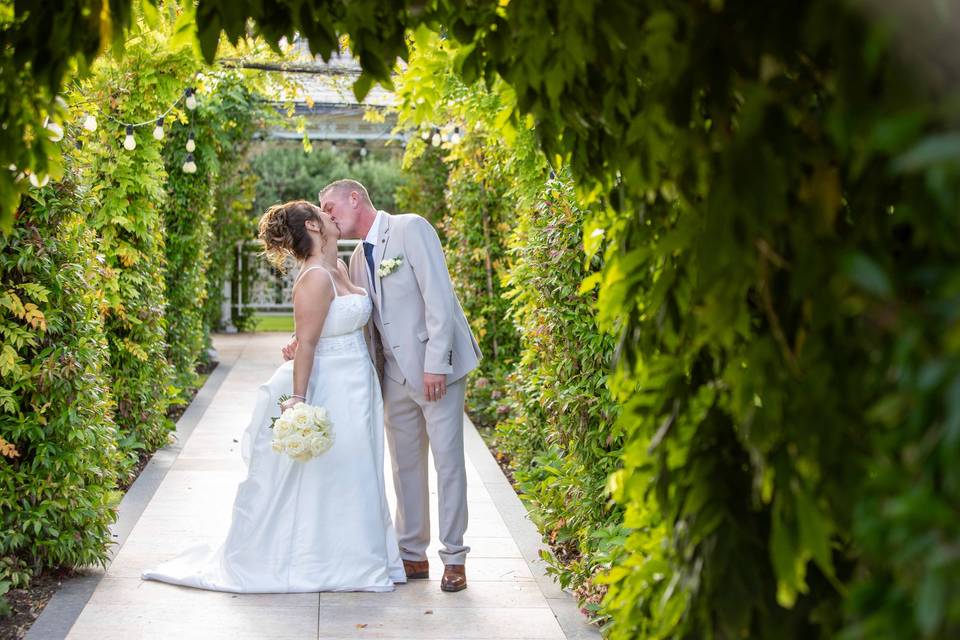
<point x="288" y="67"/>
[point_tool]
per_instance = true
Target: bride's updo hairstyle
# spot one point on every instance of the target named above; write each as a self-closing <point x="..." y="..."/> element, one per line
<point x="283" y="232"/>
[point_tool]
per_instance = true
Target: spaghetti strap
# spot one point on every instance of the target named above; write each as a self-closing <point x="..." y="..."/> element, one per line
<point x="332" y="281"/>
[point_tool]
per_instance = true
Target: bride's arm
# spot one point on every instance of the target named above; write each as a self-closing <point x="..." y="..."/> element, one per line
<point x="310" y="305"/>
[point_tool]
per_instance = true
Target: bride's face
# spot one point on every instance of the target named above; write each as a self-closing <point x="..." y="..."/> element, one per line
<point x="324" y="232"/>
<point x="330" y="228"/>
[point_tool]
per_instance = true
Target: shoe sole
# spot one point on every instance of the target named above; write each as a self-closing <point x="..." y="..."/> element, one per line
<point x="452" y="589"/>
<point x="422" y="575"/>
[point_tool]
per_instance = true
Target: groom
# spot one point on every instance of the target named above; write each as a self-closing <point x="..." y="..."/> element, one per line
<point x="423" y="349"/>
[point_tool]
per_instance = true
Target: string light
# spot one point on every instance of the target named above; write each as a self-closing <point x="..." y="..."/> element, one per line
<point x="89" y="123"/>
<point x="425" y="135"/>
<point x="129" y="143"/>
<point x="158" y="130"/>
<point x="363" y="149"/>
<point x="189" y="166"/>
<point x="55" y="131"/>
<point x="455" y="138"/>
<point x="39" y="182"/>
<point x="436" y="140"/>
<point x="333" y="146"/>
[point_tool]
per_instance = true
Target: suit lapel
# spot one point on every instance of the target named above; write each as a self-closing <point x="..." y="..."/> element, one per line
<point x="383" y="237"/>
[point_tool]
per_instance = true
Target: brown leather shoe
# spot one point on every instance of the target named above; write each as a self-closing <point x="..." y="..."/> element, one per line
<point x="454" y="578"/>
<point x="416" y="569"/>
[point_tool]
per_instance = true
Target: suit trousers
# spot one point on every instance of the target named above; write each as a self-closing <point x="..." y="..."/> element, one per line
<point x="412" y="424"/>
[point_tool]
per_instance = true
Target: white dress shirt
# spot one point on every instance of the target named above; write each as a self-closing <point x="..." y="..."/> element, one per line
<point x="374" y="231"/>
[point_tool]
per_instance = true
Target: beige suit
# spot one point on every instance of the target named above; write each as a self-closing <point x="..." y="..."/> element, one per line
<point x="418" y="326"/>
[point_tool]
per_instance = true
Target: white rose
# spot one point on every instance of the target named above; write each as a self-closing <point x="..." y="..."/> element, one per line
<point x="300" y="409"/>
<point x="277" y="445"/>
<point x="318" y="443"/>
<point x="301" y="419"/>
<point x="294" y="444"/>
<point x="282" y="428"/>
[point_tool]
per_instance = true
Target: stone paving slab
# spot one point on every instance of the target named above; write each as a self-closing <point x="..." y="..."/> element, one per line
<point x="189" y="501"/>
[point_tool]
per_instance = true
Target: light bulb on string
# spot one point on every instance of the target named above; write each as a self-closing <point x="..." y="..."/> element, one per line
<point x="333" y="146"/>
<point x="55" y="132"/>
<point x="129" y="143"/>
<point x="455" y="137"/>
<point x="39" y="182"/>
<point x="191" y="145"/>
<point x="189" y="166"/>
<point x="425" y="134"/>
<point x="191" y="99"/>
<point x="158" y="130"/>
<point x="436" y="139"/>
<point x="363" y="149"/>
<point x="90" y="123"/>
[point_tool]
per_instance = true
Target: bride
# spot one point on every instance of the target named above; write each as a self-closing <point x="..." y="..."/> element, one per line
<point x="324" y="524"/>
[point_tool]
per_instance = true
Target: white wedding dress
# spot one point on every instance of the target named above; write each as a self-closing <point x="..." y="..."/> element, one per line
<point x="321" y="525"/>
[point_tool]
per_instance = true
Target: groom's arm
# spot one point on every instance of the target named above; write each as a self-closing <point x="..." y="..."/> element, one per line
<point x="422" y="248"/>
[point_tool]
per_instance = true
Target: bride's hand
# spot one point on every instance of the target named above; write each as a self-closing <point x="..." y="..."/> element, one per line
<point x="289" y="402"/>
<point x="290" y="350"/>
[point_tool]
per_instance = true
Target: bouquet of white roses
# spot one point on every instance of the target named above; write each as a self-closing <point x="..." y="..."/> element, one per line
<point x="302" y="432"/>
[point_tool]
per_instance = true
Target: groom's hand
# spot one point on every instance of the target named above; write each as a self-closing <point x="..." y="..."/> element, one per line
<point x="290" y="350"/>
<point x="434" y="386"/>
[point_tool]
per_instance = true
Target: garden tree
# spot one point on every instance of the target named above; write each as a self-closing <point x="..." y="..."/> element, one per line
<point x="514" y="246"/>
<point x="56" y="501"/>
<point x="290" y="173"/>
<point x="776" y="189"/>
<point x="422" y="191"/>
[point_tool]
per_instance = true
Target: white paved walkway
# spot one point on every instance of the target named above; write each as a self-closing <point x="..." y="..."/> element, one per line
<point x="508" y="596"/>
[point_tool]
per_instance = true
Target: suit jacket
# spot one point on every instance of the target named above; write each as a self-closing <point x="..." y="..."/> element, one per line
<point x="421" y="318"/>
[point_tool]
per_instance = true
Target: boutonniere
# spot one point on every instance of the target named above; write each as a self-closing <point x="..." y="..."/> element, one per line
<point x="389" y="266"/>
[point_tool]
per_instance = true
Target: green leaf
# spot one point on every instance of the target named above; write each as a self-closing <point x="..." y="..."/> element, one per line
<point x="867" y="274"/>
<point x="930" y="151"/>
<point x="931" y="599"/>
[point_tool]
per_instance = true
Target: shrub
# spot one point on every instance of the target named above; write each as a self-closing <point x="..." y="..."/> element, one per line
<point x="129" y="222"/>
<point x="235" y="110"/>
<point x="187" y="217"/>
<point x="56" y="493"/>
<point x="475" y="230"/>
<point x="560" y="431"/>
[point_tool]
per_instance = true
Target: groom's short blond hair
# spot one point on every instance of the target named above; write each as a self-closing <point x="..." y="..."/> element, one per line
<point x="349" y="184"/>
